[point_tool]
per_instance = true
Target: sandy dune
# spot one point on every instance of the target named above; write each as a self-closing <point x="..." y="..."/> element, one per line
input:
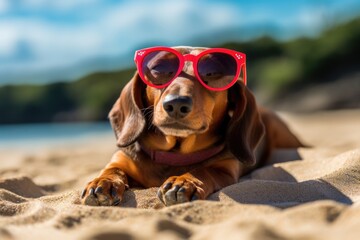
<point x="317" y="197"/>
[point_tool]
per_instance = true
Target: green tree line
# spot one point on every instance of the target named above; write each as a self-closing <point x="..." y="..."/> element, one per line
<point x="275" y="68"/>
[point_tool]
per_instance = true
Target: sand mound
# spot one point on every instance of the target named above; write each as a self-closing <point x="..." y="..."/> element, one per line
<point x="316" y="197"/>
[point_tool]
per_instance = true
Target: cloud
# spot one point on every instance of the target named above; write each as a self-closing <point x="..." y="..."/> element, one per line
<point x="167" y="21"/>
<point x="66" y="32"/>
<point x="50" y="45"/>
<point x="8" y="37"/>
<point x="114" y="31"/>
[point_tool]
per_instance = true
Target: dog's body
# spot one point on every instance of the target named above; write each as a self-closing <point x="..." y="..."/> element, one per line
<point x="189" y="150"/>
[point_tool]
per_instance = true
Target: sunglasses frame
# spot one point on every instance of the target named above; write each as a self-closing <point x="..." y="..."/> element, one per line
<point x="239" y="57"/>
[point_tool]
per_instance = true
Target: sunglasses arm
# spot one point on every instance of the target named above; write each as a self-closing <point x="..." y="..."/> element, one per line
<point x="244" y="73"/>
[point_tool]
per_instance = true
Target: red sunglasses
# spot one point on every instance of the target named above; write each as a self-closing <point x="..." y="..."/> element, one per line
<point x="216" y="69"/>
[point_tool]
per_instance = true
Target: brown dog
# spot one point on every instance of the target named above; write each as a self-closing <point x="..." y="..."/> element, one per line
<point x="218" y="137"/>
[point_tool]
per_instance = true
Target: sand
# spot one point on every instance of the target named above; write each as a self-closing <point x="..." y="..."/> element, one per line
<point x="311" y="193"/>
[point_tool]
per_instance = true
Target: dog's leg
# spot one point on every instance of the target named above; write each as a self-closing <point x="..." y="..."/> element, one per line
<point x="200" y="183"/>
<point x="108" y="188"/>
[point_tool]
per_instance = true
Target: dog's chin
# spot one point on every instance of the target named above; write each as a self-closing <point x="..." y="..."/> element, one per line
<point x="180" y="130"/>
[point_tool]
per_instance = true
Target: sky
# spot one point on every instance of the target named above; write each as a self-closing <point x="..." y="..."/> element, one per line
<point x="52" y="40"/>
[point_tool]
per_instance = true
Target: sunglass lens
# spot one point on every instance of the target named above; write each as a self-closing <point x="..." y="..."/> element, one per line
<point x="217" y="70"/>
<point x="159" y="67"/>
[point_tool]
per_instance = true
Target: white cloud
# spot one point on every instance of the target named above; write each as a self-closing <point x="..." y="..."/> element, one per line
<point x="49" y="46"/>
<point x="168" y="21"/>
<point x="116" y="30"/>
<point x="7" y="39"/>
<point x="310" y="17"/>
<point x="99" y="28"/>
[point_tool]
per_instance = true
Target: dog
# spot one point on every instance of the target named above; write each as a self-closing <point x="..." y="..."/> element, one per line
<point x="183" y="125"/>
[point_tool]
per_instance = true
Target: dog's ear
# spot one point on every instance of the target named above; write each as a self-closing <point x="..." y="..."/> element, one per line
<point x="126" y="117"/>
<point x="245" y="128"/>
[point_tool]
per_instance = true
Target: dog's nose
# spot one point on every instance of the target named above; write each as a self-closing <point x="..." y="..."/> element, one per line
<point x="177" y="106"/>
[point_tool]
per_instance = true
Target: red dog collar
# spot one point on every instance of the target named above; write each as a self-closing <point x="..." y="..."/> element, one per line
<point x="179" y="159"/>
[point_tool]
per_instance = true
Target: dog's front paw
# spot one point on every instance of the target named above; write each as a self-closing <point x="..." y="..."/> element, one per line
<point x="104" y="191"/>
<point x="181" y="189"/>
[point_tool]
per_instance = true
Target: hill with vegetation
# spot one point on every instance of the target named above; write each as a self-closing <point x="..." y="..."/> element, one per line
<point x="277" y="71"/>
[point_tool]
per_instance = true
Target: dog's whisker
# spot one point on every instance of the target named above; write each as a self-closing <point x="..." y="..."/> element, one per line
<point x="147" y="108"/>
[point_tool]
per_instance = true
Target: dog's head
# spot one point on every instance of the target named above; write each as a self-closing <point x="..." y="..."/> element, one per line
<point x="185" y="109"/>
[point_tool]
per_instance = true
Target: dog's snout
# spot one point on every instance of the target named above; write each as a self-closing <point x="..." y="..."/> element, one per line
<point x="177" y="106"/>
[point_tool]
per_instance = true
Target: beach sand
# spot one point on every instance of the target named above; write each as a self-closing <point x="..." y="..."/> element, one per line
<point x="311" y="193"/>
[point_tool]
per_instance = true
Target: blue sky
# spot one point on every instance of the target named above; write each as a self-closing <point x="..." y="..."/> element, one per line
<point x="48" y="40"/>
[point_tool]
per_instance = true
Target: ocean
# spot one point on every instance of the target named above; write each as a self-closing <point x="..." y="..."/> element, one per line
<point x="35" y="135"/>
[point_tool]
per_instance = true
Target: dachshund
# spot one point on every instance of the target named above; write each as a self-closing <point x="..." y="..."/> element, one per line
<point x="186" y="123"/>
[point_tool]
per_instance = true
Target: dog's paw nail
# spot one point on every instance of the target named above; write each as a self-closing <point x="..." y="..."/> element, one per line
<point x="167" y="186"/>
<point x="159" y="193"/>
<point x="195" y="197"/>
<point x="175" y="188"/>
<point x="114" y="192"/>
<point x="98" y="190"/>
<point x="91" y="191"/>
<point x="83" y="193"/>
<point x="116" y="202"/>
<point x="160" y="196"/>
